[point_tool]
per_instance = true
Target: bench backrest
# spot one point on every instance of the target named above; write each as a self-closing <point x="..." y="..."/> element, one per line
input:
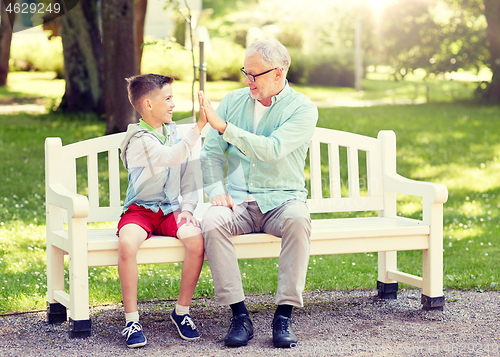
<point x="331" y="153"/>
<point x="352" y="174"/>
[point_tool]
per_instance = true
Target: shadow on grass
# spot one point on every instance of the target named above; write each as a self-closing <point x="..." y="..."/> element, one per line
<point x="8" y="97"/>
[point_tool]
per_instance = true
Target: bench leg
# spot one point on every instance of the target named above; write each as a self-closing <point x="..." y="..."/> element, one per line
<point x="79" y="328"/>
<point x="78" y="280"/>
<point x="432" y="261"/>
<point x="433" y="303"/>
<point x="56" y="313"/>
<point x="387" y="288"/>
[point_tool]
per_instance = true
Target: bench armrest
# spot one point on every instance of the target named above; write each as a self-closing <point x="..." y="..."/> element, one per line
<point x="430" y="191"/>
<point x="77" y="205"/>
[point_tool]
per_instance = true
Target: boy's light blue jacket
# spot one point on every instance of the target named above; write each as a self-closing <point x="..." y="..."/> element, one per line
<point x="159" y="173"/>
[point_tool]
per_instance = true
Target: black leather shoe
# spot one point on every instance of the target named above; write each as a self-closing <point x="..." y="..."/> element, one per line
<point x="240" y="331"/>
<point x="283" y="336"/>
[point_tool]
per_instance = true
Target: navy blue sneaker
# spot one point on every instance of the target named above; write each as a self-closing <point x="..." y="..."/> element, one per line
<point x="133" y="332"/>
<point x="185" y="326"/>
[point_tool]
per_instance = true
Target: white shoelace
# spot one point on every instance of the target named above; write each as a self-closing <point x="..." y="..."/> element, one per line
<point x="187" y="320"/>
<point x="129" y="330"/>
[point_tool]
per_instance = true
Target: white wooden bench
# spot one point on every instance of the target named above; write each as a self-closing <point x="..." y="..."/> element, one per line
<point x="68" y="214"/>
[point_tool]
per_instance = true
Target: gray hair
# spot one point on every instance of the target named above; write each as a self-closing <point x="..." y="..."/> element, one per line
<point x="273" y="53"/>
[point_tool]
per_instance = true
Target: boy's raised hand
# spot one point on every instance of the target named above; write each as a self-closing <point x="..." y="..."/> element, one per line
<point x="202" y="117"/>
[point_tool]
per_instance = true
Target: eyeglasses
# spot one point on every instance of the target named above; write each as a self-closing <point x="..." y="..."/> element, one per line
<point x="253" y="76"/>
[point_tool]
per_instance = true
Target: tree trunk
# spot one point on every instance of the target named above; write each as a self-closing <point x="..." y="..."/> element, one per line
<point x="83" y="60"/>
<point x="7" y="21"/>
<point x="139" y="20"/>
<point x="492" y="12"/>
<point x="119" y="62"/>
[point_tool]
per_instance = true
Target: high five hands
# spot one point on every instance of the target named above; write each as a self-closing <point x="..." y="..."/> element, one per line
<point x="209" y="112"/>
<point x="202" y="121"/>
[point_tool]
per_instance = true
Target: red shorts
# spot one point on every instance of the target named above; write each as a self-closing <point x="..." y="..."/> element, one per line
<point x="152" y="223"/>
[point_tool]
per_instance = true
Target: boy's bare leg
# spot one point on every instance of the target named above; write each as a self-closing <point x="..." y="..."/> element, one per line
<point x="192" y="239"/>
<point x="131" y="237"/>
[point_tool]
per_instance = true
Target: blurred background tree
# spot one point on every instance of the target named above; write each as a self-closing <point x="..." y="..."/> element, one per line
<point x="401" y="36"/>
<point x="5" y="39"/>
<point x="492" y="11"/>
<point x="83" y="60"/>
<point x="439" y="36"/>
<point x="119" y="43"/>
<point x="140" y="7"/>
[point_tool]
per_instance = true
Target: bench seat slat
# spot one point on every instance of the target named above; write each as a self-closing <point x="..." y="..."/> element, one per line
<point x="330" y="236"/>
<point x="367" y="227"/>
<point x="103" y="243"/>
<point x="337" y="228"/>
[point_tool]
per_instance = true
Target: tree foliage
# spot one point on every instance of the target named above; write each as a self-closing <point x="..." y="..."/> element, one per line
<point x="224" y="7"/>
<point x="437" y="35"/>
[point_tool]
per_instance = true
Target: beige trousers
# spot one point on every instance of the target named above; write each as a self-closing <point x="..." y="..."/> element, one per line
<point x="291" y="222"/>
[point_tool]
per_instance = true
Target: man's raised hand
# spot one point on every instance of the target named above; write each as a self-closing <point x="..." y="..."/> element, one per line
<point x="215" y="121"/>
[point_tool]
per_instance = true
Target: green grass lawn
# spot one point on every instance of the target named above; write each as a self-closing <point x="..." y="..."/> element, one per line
<point x="455" y="143"/>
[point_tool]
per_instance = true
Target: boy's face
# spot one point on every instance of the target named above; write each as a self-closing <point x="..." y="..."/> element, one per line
<point x="160" y="106"/>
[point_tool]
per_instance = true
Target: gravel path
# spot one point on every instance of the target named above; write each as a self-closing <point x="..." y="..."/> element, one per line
<point x="332" y="323"/>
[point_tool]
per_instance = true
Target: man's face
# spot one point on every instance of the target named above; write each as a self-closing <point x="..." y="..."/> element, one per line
<point x="162" y="106"/>
<point x="265" y="86"/>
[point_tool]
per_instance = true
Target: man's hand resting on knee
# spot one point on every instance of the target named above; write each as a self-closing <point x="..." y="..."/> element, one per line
<point x="224" y="200"/>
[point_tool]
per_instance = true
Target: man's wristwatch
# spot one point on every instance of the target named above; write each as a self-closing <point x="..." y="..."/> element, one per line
<point x="224" y="129"/>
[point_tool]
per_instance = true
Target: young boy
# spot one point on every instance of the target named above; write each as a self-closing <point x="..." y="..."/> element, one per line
<point x="156" y="158"/>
